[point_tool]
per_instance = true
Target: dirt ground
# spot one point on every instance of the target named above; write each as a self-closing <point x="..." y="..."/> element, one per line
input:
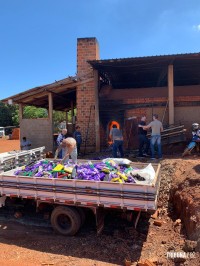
<point x="9" y="145"/>
<point x="24" y="241"/>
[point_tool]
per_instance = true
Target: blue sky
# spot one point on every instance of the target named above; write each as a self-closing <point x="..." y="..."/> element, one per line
<point x="38" y="37"/>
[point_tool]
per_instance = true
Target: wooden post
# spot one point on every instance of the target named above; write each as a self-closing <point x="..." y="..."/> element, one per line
<point x="50" y="101"/>
<point x="66" y="120"/>
<point x="97" y="127"/>
<point x="20" y="112"/>
<point x="72" y="112"/>
<point x="171" y="94"/>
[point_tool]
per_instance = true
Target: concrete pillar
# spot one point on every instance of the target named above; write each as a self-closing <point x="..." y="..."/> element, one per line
<point x="96" y="98"/>
<point x="171" y="94"/>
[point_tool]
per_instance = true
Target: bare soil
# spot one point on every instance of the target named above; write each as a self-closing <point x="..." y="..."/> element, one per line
<point x="25" y="241"/>
<point x="9" y="145"/>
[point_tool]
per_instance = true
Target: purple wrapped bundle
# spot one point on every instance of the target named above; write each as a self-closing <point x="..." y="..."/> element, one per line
<point x="86" y="172"/>
<point x="49" y="167"/>
<point x="18" y="172"/>
<point x="99" y="166"/>
<point x="102" y="176"/>
<point x="130" y="179"/>
<point x="39" y="174"/>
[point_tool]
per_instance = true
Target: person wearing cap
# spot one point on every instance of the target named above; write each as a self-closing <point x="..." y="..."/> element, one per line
<point x="69" y="148"/>
<point x="195" y="138"/>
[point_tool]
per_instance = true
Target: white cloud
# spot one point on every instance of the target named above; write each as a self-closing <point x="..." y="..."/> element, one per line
<point x="196" y="27"/>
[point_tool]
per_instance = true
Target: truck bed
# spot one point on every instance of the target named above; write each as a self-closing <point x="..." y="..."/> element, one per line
<point x="84" y="193"/>
<point x="12" y="159"/>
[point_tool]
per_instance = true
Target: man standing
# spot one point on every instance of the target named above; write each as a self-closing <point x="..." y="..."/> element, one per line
<point x="117" y="139"/>
<point x="60" y="139"/>
<point x="78" y="138"/>
<point x="69" y="148"/>
<point x="25" y="144"/>
<point x="156" y="127"/>
<point x="143" y="140"/>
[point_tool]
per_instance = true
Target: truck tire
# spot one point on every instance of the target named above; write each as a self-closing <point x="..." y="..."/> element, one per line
<point x="81" y="212"/>
<point x="65" y="220"/>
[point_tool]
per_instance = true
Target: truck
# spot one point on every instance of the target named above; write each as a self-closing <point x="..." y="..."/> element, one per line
<point x="68" y="199"/>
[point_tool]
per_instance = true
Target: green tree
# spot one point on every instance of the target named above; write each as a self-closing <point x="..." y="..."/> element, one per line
<point x="58" y="117"/>
<point x="34" y="112"/>
<point x="15" y="115"/>
<point x="9" y="115"/>
<point x="6" y="113"/>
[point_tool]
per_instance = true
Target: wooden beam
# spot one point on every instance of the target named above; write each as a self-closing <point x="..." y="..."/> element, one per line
<point x="97" y="127"/>
<point x="171" y="94"/>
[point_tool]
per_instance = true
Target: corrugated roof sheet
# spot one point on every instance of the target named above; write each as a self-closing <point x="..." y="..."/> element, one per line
<point x="145" y="57"/>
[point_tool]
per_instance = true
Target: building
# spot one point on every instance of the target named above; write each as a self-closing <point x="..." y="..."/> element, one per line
<point x="116" y="91"/>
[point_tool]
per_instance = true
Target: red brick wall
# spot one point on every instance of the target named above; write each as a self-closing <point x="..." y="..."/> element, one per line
<point x="87" y="49"/>
<point x="186" y="114"/>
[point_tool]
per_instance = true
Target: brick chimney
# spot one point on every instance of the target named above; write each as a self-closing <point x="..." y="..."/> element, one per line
<point x="87" y="49"/>
<point x="86" y="101"/>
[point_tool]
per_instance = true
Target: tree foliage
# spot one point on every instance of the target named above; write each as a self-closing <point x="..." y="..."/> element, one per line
<point x="34" y="112"/>
<point x="8" y="115"/>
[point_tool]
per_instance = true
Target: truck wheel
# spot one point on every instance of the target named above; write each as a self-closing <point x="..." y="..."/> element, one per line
<point x="65" y="220"/>
<point x="81" y="212"/>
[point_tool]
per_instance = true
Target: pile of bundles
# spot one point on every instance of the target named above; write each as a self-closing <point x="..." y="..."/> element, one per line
<point x="107" y="170"/>
<point x="100" y="171"/>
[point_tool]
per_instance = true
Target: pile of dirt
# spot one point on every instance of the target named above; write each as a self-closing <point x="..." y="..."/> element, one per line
<point x="168" y="232"/>
<point x="185" y="195"/>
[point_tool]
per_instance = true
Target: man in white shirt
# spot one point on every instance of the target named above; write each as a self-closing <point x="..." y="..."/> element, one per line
<point x="25" y="144"/>
<point x="156" y="127"/>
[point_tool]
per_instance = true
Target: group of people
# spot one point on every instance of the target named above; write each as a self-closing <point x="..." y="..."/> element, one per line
<point x="155" y="140"/>
<point x="144" y="143"/>
<point x="68" y="146"/>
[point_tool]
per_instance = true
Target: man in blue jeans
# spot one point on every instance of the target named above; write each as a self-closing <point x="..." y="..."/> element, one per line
<point x="143" y="140"/>
<point x="117" y="138"/>
<point x="156" y="127"/>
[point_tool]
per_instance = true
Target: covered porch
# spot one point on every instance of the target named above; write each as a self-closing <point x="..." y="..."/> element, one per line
<point x="57" y="96"/>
